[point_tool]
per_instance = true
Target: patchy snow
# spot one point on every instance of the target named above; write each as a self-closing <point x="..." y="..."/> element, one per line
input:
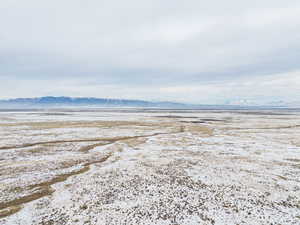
<point x="156" y="168"/>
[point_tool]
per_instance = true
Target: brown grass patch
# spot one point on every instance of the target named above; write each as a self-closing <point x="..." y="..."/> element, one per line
<point x="42" y="189"/>
<point x="109" y="140"/>
<point x="198" y="129"/>
<point x="9" y="211"/>
<point x="76" y="124"/>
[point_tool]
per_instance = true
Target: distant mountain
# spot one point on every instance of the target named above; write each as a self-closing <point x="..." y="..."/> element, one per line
<point x="61" y="102"/>
<point x="51" y="101"/>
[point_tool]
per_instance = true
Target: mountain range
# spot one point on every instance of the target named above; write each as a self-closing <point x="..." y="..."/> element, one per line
<point x="51" y="101"/>
<point x="57" y="102"/>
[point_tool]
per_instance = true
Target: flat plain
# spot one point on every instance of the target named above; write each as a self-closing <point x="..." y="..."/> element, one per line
<point x="135" y="166"/>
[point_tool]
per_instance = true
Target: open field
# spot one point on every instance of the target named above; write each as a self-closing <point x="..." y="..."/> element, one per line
<point x="149" y="167"/>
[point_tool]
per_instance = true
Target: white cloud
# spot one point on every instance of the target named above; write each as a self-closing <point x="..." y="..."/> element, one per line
<point x="184" y="49"/>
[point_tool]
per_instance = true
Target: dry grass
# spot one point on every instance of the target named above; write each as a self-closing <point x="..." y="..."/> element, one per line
<point x="199" y="129"/>
<point x="109" y="140"/>
<point x="75" y="124"/>
<point x="9" y="211"/>
<point x="42" y="189"/>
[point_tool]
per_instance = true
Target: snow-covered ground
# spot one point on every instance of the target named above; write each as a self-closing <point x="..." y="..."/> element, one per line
<point x="158" y="167"/>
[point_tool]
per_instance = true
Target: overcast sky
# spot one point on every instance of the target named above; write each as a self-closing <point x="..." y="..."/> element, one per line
<point x="187" y="51"/>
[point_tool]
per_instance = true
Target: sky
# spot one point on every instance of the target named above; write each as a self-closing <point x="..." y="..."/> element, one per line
<point x="193" y="51"/>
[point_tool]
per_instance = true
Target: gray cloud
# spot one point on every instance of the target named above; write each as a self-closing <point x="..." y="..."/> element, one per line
<point x="147" y="48"/>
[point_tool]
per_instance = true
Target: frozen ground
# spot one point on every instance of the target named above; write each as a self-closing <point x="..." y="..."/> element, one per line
<point x="149" y="167"/>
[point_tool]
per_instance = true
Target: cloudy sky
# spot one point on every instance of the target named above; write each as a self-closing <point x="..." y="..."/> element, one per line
<point x="187" y="51"/>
